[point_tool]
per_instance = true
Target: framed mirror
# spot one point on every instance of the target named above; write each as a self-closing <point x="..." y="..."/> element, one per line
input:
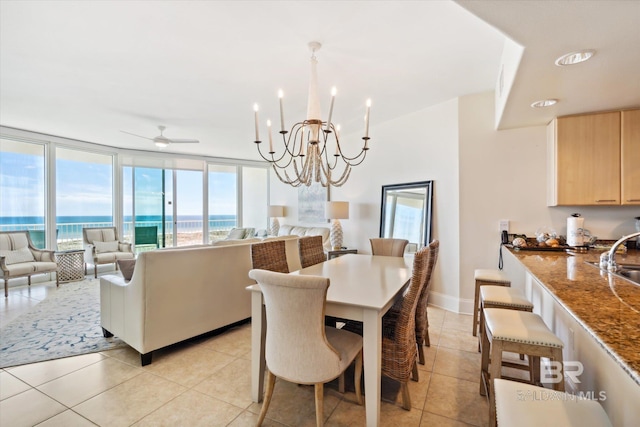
<point x="406" y="213"/>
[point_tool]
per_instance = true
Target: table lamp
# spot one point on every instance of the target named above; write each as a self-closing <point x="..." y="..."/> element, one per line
<point x="336" y="211"/>
<point x="275" y="212"/>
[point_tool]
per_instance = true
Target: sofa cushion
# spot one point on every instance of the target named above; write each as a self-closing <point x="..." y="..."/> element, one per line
<point x="102" y="247"/>
<point x="17" y="256"/>
<point x="126" y="266"/>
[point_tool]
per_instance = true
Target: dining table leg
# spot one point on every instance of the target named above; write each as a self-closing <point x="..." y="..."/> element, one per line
<point x="258" y="335"/>
<point x="372" y="355"/>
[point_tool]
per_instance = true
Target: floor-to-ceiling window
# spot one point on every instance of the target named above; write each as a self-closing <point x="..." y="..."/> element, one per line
<point x="223" y="200"/>
<point x="84" y="194"/>
<point x="22" y="189"/>
<point x="55" y="185"/>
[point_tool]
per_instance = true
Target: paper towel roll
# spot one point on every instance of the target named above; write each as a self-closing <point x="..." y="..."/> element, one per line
<point x="575" y="231"/>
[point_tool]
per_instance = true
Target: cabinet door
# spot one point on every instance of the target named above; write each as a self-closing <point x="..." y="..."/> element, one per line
<point x="588" y="159"/>
<point x="630" y="157"/>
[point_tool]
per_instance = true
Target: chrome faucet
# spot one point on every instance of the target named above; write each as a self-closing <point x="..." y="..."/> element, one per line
<point x="610" y="258"/>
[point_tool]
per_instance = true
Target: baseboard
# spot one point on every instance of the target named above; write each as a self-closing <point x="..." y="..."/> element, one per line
<point x="450" y="303"/>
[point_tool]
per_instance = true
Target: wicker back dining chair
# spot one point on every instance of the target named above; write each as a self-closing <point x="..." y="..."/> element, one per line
<point x="299" y="348"/>
<point x="399" y="350"/>
<point x="422" y="322"/>
<point x="311" y="250"/>
<point x="388" y="246"/>
<point x="271" y="255"/>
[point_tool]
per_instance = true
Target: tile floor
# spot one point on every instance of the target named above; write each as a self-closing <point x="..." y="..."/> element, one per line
<point x="207" y="383"/>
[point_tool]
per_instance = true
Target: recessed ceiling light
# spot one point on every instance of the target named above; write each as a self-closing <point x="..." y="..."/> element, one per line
<point x="575" y="57"/>
<point x="544" y="103"/>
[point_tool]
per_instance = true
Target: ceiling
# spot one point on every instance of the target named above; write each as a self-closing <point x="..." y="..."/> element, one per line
<point x="87" y="70"/>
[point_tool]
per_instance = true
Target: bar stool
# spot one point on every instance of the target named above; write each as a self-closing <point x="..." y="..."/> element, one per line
<point x="485" y="278"/>
<point x="527" y="405"/>
<point x="501" y="297"/>
<point x="518" y="332"/>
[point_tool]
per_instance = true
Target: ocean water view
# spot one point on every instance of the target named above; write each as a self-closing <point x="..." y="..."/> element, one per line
<point x="70" y="227"/>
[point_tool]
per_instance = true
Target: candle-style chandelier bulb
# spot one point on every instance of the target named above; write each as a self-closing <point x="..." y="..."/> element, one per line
<point x="304" y="156"/>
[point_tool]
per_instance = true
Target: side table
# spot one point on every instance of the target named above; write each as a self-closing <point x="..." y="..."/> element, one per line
<point x="339" y="252"/>
<point x="70" y="265"/>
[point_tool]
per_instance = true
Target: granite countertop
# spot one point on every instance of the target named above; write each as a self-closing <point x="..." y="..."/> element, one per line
<point x="608" y="307"/>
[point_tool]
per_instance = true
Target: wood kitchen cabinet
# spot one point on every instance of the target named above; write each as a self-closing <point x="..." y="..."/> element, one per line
<point x="630" y="157"/>
<point x="594" y="159"/>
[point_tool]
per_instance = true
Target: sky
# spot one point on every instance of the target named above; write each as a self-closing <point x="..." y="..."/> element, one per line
<point x="85" y="188"/>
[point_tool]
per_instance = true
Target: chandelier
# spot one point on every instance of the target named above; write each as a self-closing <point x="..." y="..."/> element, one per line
<point x="304" y="156"/>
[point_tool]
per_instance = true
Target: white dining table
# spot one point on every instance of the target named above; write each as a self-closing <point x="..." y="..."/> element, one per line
<point x="361" y="287"/>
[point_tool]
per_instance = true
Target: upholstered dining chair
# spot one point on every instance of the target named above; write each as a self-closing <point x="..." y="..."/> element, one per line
<point x="299" y="347"/>
<point x="311" y="250"/>
<point x="388" y="246"/>
<point x="102" y="246"/>
<point x="271" y="255"/>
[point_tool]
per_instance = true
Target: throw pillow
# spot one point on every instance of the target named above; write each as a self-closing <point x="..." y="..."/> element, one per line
<point x="249" y="232"/>
<point x="236" y="233"/>
<point x="126" y="267"/>
<point x="17" y="256"/>
<point x="106" y="246"/>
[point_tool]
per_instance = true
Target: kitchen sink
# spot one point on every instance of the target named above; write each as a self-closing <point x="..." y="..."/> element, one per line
<point x="627" y="271"/>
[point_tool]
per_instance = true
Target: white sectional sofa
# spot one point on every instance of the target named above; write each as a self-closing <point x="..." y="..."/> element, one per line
<point x="301" y="231"/>
<point x="176" y="294"/>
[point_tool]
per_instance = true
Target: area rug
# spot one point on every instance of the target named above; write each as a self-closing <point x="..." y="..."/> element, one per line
<point x="66" y="323"/>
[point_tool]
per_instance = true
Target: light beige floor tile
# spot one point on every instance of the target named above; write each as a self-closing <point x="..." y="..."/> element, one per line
<point x="10" y="385"/>
<point x="460" y="322"/>
<point x="67" y="418"/>
<point x="234" y="342"/>
<point x="457" y="399"/>
<point x="429" y="358"/>
<point x="294" y="405"/>
<point x="249" y="419"/>
<point x="231" y="384"/>
<point x="192" y="409"/>
<point x="28" y="409"/>
<point x="392" y="415"/>
<point x="417" y="390"/>
<point x="458" y="340"/>
<point x="130" y="401"/>
<point x="124" y="354"/>
<point x="434" y="335"/>
<point x="36" y="374"/>
<point x="431" y="420"/>
<point x="464" y="365"/>
<point x="436" y="316"/>
<point x="347" y="414"/>
<point x="189" y="365"/>
<point x="89" y="381"/>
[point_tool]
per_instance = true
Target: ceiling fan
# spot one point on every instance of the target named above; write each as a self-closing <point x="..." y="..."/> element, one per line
<point x="162" y="141"/>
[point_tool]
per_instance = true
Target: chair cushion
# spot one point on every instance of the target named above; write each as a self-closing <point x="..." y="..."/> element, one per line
<point x="519" y="326"/>
<point x="491" y="276"/>
<point x="126" y="267"/>
<point x="526" y="405"/>
<point x="501" y="295"/>
<point x="102" y="247"/>
<point x="17" y="256"/>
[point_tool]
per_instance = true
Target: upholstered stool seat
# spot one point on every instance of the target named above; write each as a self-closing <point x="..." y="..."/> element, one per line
<point x="501" y="297"/>
<point x="518" y="332"/>
<point x="527" y="405"/>
<point x="485" y="277"/>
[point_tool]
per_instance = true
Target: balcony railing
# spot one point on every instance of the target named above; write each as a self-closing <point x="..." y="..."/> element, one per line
<point x="189" y="232"/>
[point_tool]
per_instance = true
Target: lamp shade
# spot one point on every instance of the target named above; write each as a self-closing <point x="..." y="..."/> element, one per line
<point x="337" y="210"/>
<point x="276" y="211"/>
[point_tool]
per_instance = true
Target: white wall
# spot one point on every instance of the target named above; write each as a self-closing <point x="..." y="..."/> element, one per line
<point x="480" y="177"/>
<point x="417" y="147"/>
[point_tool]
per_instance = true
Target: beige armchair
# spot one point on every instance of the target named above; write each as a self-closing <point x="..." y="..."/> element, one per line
<point x="102" y="246"/>
<point x="19" y="258"/>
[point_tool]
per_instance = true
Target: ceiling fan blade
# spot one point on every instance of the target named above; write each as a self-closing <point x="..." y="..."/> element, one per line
<point x="139" y="136"/>
<point x="184" y="141"/>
